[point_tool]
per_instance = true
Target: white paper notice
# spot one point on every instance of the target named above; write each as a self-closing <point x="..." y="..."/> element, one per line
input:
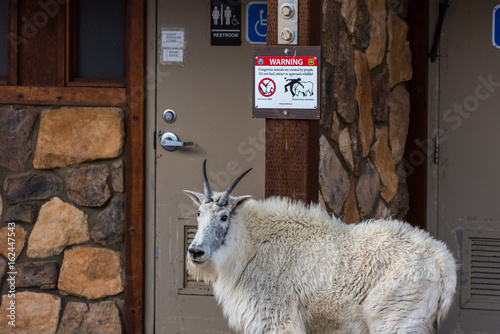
<point x="172" y="38"/>
<point x="173" y="43"/>
<point x="172" y="55"/>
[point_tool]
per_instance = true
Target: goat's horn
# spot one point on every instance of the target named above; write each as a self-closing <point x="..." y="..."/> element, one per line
<point x="223" y="200"/>
<point x="206" y="185"/>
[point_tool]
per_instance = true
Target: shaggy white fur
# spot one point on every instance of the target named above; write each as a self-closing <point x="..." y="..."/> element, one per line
<point x="289" y="268"/>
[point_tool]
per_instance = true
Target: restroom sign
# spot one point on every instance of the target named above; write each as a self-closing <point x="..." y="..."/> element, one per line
<point x="225" y="22"/>
<point x="287" y="85"/>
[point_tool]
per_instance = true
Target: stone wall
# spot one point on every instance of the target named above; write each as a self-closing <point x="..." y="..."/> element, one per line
<point x="62" y="204"/>
<point x="365" y="111"/>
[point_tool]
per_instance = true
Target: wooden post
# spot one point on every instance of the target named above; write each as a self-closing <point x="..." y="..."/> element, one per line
<point x="292" y="146"/>
<point x="135" y="227"/>
<point x="418" y="21"/>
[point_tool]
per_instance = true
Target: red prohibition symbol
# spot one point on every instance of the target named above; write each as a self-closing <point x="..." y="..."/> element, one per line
<point x="267" y="87"/>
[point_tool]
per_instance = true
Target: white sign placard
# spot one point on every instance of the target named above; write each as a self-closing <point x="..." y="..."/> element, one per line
<point x="173" y="44"/>
<point x="172" y="55"/>
<point x="172" y="38"/>
<point x="286" y="82"/>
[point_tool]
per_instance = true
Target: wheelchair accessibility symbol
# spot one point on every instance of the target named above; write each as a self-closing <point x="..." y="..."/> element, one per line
<point x="257" y="22"/>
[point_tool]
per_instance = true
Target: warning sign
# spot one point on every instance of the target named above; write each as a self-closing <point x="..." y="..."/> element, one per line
<point x="286" y="82"/>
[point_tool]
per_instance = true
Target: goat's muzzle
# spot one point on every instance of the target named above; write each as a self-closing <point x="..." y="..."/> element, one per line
<point x="197" y="254"/>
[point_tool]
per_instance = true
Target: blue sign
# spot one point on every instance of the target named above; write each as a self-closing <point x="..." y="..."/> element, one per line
<point x="257" y="22"/>
<point x="496" y="26"/>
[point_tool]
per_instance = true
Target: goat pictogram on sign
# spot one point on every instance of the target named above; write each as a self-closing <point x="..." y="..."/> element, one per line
<point x="267" y="87"/>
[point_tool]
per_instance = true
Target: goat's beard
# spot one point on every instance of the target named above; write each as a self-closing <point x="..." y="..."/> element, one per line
<point x="206" y="271"/>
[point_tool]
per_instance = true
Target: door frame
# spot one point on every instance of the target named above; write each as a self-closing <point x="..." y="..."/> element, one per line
<point x="432" y="123"/>
<point x="422" y="170"/>
<point x="419" y="150"/>
<point x="150" y="166"/>
<point x="135" y="165"/>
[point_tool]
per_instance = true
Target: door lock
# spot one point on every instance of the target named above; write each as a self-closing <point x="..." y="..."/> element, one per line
<point x="169" y="116"/>
<point x="170" y="141"/>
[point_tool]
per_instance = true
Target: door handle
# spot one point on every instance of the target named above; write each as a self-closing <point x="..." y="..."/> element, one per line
<point x="169" y="141"/>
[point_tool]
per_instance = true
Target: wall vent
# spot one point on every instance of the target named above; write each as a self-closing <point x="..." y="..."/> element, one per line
<point x="480" y="270"/>
<point x="190" y="285"/>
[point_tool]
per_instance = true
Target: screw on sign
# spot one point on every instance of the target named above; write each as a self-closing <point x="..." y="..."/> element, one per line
<point x="267" y="87"/>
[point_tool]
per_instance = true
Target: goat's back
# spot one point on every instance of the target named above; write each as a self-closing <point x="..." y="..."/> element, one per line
<point x="332" y="277"/>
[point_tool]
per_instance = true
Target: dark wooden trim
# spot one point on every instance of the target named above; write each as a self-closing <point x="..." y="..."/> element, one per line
<point x="71" y="37"/>
<point x="417" y="142"/>
<point x="309" y="22"/>
<point x="40" y="43"/>
<point x="292" y="146"/>
<point x="13" y="62"/>
<point x="135" y="123"/>
<point x="92" y="96"/>
<point x="272" y="22"/>
<point x="61" y="46"/>
<point x="84" y="82"/>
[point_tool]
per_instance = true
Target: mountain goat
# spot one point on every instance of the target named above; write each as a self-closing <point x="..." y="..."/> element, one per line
<point x="279" y="266"/>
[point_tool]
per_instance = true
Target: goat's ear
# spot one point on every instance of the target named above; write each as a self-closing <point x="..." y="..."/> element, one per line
<point x="237" y="202"/>
<point x="197" y="198"/>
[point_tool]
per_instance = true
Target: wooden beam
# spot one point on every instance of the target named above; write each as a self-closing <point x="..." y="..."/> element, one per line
<point x="418" y="35"/>
<point x="89" y="96"/>
<point x="40" y="45"/>
<point x="13" y="42"/>
<point x="135" y="123"/>
<point x="71" y="40"/>
<point x="292" y="157"/>
<point x="292" y="146"/>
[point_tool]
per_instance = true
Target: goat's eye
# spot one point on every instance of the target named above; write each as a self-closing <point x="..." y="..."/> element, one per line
<point x="198" y="213"/>
<point x="223" y="218"/>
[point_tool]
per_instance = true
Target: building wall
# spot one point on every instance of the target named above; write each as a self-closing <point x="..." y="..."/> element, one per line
<point x="61" y="174"/>
<point x="62" y="220"/>
<point x="365" y="111"/>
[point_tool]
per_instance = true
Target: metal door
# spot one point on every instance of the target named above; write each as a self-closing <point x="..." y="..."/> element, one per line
<point x="469" y="163"/>
<point x="210" y="93"/>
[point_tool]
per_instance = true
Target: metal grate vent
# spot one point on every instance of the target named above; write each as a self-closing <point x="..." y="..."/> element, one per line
<point x="485" y="267"/>
<point x="191" y="286"/>
<point x="190" y="232"/>
<point x="481" y="270"/>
